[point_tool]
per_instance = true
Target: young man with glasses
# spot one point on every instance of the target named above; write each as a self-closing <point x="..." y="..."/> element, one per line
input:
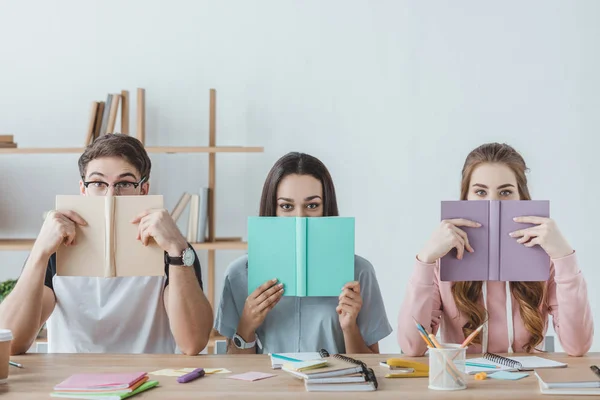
<point x="110" y="315"/>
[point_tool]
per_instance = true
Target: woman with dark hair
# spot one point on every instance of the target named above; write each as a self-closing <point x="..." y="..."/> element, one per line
<point x="299" y="185"/>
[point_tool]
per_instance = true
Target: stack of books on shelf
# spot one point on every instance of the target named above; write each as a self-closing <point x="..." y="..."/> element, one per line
<point x="7" y="142"/>
<point x="103" y="116"/>
<point x="197" y="217"/>
<point x="337" y="373"/>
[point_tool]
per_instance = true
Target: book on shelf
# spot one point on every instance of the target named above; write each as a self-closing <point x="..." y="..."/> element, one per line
<point x="6" y="138"/>
<point x="192" y="233"/>
<point x="202" y="215"/>
<point x="98" y="123"/>
<point x="112" y="116"/>
<point x="8" y="145"/>
<point x="91" y="124"/>
<point x="105" y="114"/>
<point x="180" y="206"/>
<point x="497" y="256"/>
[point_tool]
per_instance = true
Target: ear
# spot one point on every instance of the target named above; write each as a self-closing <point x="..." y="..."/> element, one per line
<point x="81" y="188"/>
<point x="145" y="189"/>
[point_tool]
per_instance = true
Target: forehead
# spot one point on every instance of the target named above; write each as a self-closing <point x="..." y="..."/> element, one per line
<point x="298" y="187"/>
<point x="493" y="175"/>
<point x="111" y="167"/>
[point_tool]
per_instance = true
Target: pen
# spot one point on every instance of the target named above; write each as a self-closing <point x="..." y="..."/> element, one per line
<point x="284" y="357"/>
<point x="195" y="374"/>
<point x="596" y="370"/>
<point x="472" y="364"/>
<point x="15" y="364"/>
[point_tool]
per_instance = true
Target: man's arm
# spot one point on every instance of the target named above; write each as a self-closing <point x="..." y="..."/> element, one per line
<point x="190" y="313"/>
<point x="28" y="306"/>
<point x="30" y="303"/>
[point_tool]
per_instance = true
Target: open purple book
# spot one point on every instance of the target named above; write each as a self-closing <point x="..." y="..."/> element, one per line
<point x="497" y="256"/>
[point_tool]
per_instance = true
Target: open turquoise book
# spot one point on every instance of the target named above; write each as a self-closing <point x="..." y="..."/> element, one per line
<point x="310" y="256"/>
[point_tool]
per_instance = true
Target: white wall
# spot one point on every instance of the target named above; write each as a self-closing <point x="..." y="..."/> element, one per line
<point x="390" y="95"/>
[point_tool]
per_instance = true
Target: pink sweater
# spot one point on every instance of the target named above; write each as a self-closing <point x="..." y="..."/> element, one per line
<point x="430" y="302"/>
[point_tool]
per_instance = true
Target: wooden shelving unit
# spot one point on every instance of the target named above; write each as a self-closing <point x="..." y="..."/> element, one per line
<point x="213" y="243"/>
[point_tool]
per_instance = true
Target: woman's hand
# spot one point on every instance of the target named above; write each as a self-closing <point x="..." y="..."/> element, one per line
<point x="545" y="234"/>
<point x="257" y="306"/>
<point x="349" y="305"/>
<point x="446" y="237"/>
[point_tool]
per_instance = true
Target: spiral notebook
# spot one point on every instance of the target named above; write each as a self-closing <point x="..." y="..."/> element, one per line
<point x="527" y="363"/>
<point x="342" y="374"/>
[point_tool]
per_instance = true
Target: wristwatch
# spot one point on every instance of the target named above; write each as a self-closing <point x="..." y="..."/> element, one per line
<point x="241" y="344"/>
<point x="187" y="258"/>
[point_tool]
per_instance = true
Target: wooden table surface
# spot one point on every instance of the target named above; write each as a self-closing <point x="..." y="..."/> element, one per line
<point x="43" y="371"/>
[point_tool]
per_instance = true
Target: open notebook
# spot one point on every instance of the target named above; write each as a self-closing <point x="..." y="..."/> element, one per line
<point x="527" y="363"/>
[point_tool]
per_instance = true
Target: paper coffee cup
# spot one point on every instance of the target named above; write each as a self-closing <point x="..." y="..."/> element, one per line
<point x="5" y="339"/>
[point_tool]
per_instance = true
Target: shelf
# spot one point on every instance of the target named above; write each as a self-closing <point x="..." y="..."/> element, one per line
<point x="220" y="244"/>
<point x="155" y="149"/>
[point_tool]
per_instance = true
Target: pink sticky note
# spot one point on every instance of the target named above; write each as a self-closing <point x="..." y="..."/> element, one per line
<point x="252" y="376"/>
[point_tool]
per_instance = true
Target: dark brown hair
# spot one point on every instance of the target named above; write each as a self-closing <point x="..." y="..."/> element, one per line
<point x="117" y="145"/>
<point x="529" y="295"/>
<point x="301" y="164"/>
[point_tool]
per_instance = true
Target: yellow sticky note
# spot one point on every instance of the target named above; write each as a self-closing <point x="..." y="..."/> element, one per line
<point x="167" y="372"/>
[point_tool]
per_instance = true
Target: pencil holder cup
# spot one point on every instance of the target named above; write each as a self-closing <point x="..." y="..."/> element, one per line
<point x="447" y="367"/>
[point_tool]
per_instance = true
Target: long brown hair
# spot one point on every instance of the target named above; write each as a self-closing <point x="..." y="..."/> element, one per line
<point x="529" y="295"/>
<point x="301" y="164"/>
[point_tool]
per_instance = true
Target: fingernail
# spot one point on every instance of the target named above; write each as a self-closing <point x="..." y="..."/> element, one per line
<point x="274" y="280"/>
<point x="515" y="218"/>
<point x="280" y="285"/>
<point x="478" y="224"/>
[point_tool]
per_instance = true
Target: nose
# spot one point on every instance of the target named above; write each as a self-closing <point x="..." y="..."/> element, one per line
<point x="112" y="191"/>
<point x="300" y="212"/>
<point x="493" y="196"/>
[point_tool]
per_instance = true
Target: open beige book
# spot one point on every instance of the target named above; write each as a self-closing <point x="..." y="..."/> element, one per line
<point x="108" y="245"/>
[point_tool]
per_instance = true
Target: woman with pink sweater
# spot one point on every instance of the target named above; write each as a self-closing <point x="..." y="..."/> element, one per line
<point x="515" y="313"/>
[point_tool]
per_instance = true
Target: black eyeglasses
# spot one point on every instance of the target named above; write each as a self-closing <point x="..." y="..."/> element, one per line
<point x="123" y="188"/>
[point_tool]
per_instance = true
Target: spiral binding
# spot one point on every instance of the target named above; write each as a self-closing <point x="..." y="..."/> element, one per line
<point x="502" y="360"/>
<point x="368" y="372"/>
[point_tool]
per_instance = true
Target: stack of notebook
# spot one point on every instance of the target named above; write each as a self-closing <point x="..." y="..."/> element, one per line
<point x="103" y="386"/>
<point x="572" y="381"/>
<point x="334" y="374"/>
<point x="491" y="363"/>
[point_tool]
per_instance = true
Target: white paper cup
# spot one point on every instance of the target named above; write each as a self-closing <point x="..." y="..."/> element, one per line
<point x="5" y="339"/>
<point x="447" y="367"/>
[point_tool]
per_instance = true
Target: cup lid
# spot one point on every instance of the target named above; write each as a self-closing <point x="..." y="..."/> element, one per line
<point x="5" y="335"/>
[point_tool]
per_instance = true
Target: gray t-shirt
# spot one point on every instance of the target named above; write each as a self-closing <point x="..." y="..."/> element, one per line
<point x="302" y="324"/>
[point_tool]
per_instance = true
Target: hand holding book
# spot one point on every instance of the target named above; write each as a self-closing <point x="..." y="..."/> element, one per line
<point x="545" y="234"/>
<point x="159" y="225"/>
<point x="350" y="304"/>
<point x="446" y="237"/>
<point x="257" y="306"/>
<point x="58" y="228"/>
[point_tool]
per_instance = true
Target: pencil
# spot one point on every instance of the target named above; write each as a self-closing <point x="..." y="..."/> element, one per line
<point x="472" y="336"/>
<point x="15" y="364"/>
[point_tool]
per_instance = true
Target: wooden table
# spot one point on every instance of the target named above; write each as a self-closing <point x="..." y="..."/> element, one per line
<point x="43" y="371"/>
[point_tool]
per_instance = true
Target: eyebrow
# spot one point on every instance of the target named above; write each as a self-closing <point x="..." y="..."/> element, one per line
<point x="124" y="175"/>
<point x="499" y="187"/>
<point x="306" y="199"/>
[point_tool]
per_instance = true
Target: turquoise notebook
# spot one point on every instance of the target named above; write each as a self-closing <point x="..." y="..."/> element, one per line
<point x="310" y="256"/>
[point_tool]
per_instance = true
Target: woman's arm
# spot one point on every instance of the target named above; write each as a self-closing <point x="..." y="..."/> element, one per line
<point x="423" y="303"/>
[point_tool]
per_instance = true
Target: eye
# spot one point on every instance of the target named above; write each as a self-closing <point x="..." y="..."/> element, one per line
<point x="99" y="185"/>
<point x="286" y="207"/>
<point x="313" y="206"/>
<point x="124" y="185"/>
<point x="506" y="193"/>
<point x="480" y="192"/>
